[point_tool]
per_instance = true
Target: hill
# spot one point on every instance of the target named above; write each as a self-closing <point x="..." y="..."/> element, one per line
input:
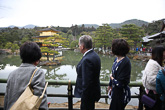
<point x="132" y="21"/>
<point x="119" y="25"/>
<point x="113" y="25"/>
<point x="29" y="26"/>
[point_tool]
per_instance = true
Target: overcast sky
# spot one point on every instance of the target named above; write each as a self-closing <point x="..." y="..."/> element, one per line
<point x="68" y="12"/>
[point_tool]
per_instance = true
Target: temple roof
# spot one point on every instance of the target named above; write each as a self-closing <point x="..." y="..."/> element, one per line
<point x="157" y="35"/>
<point x="160" y="34"/>
<point x="49" y="29"/>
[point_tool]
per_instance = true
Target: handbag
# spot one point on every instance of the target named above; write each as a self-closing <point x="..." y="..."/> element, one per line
<point x="27" y="100"/>
<point x="148" y="101"/>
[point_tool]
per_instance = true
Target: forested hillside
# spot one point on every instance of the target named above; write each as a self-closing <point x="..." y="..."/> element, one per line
<point x="131" y="30"/>
<point x="137" y="22"/>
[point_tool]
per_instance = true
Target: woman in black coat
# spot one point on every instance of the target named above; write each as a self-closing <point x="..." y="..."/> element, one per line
<point x="120" y="77"/>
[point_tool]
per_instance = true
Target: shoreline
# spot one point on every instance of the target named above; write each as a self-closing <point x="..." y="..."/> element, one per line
<point x="99" y="105"/>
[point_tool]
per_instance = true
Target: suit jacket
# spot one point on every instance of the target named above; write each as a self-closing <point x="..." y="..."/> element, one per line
<point x="18" y="81"/>
<point x="88" y="73"/>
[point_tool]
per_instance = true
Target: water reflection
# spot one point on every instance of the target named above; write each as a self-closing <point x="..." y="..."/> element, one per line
<point x="67" y="71"/>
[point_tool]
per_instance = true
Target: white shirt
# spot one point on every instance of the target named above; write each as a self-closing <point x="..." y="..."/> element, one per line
<point x="87" y="51"/>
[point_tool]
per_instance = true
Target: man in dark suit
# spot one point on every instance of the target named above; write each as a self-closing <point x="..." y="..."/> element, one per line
<point x="88" y="72"/>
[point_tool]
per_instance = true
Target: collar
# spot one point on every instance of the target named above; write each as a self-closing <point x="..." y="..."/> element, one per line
<point x="27" y="65"/>
<point x="87" y="51"/>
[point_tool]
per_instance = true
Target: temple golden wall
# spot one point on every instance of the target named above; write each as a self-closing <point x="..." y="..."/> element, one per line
<point x="48" y="33"/>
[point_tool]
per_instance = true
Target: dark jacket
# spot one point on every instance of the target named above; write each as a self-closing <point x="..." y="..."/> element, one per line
<point x="88" y="73"/>
<point x="123" y="72"/>
<point x="120" y="91"/>
<point x="160" y="84"/>
<point x="18" y="81"/>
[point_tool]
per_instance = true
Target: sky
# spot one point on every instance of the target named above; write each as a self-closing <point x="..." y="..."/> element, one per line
<point x="65" y="13"/>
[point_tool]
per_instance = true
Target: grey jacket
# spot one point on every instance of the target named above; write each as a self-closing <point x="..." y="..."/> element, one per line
<point x="18" y="81"/>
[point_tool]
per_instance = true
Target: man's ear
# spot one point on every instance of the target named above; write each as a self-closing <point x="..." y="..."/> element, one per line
<point x="83" y="47"/>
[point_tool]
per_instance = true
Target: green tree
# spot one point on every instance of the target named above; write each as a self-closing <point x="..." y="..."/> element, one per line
<point x="54" y="42"/>
<point x="12" y="46"/>
<point x="74" y="44"/>
<point x="69" y="33"/>
<point x="8" y="45"/>
<point x="104" y="36"/>
<point x="47" y="52"/>
<point x="133" y="34"/>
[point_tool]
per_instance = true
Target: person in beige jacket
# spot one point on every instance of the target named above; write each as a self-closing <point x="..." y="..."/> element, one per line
<point x="149" y="75"/>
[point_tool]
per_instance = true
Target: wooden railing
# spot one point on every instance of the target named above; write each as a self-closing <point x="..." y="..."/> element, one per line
<point x="70" y="95"/>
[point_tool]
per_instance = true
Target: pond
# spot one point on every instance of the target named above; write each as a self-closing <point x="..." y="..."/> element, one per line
<point x="67" y="71"/>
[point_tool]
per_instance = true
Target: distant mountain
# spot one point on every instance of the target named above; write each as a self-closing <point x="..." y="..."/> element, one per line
<point x="119" y="25"/>
<point x="132" y="21"/>
<point x="12" y="26"/>
<point x="29" y="26"/>
<point x="90" y="25"/>
<point x="113" y="25"/>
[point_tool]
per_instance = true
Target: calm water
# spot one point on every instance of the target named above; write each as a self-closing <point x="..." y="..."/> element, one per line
<point x="67" y="71"/>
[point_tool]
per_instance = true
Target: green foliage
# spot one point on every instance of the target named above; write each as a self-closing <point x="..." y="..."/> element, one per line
<point x="137" y="22"/>
<point x="8" y="45"/>
<point x="48" y="50"/>
<point x="25" y="39"/>
<point x="52" y="42"/>
<point x="153" y="27"/>
<point x="132" y="33"/>
<point x="76" y="30"/>
<point x="16" y="34"/>
<point x="74" y="44"/>
<point x="12" y="46"/>
<point x="104" y="36"/>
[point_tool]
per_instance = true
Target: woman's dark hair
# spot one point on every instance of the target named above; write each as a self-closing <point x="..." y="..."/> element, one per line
<point x="157" y="54"/>
<point x="120" y="47"/>
<point x="30" y="52"/>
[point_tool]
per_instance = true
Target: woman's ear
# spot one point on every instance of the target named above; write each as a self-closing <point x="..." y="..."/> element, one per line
<point x="36" y="63"/>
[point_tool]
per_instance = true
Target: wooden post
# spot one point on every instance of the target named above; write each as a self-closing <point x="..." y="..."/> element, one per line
<point x="141" y="90"/>
<point x="70" y="101"/>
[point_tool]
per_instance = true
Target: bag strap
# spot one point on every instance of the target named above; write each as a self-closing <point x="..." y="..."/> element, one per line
<point x="44" y="90"/>
<point x="32" y="76"/>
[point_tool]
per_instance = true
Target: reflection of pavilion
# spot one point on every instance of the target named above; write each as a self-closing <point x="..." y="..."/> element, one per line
<point x="51" y="73"/>
<point x="158" y="37"/>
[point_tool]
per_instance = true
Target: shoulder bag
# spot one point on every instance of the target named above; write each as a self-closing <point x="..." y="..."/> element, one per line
<point x="27" y="100"/>
<point x="146" y="100"/>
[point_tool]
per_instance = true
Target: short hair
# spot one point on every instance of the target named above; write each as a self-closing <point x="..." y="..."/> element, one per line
<point x="120" y="47"/>
<point x="86" y="40"/>
<point x="157" y="54"/>
<point x="30" y="52"/>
